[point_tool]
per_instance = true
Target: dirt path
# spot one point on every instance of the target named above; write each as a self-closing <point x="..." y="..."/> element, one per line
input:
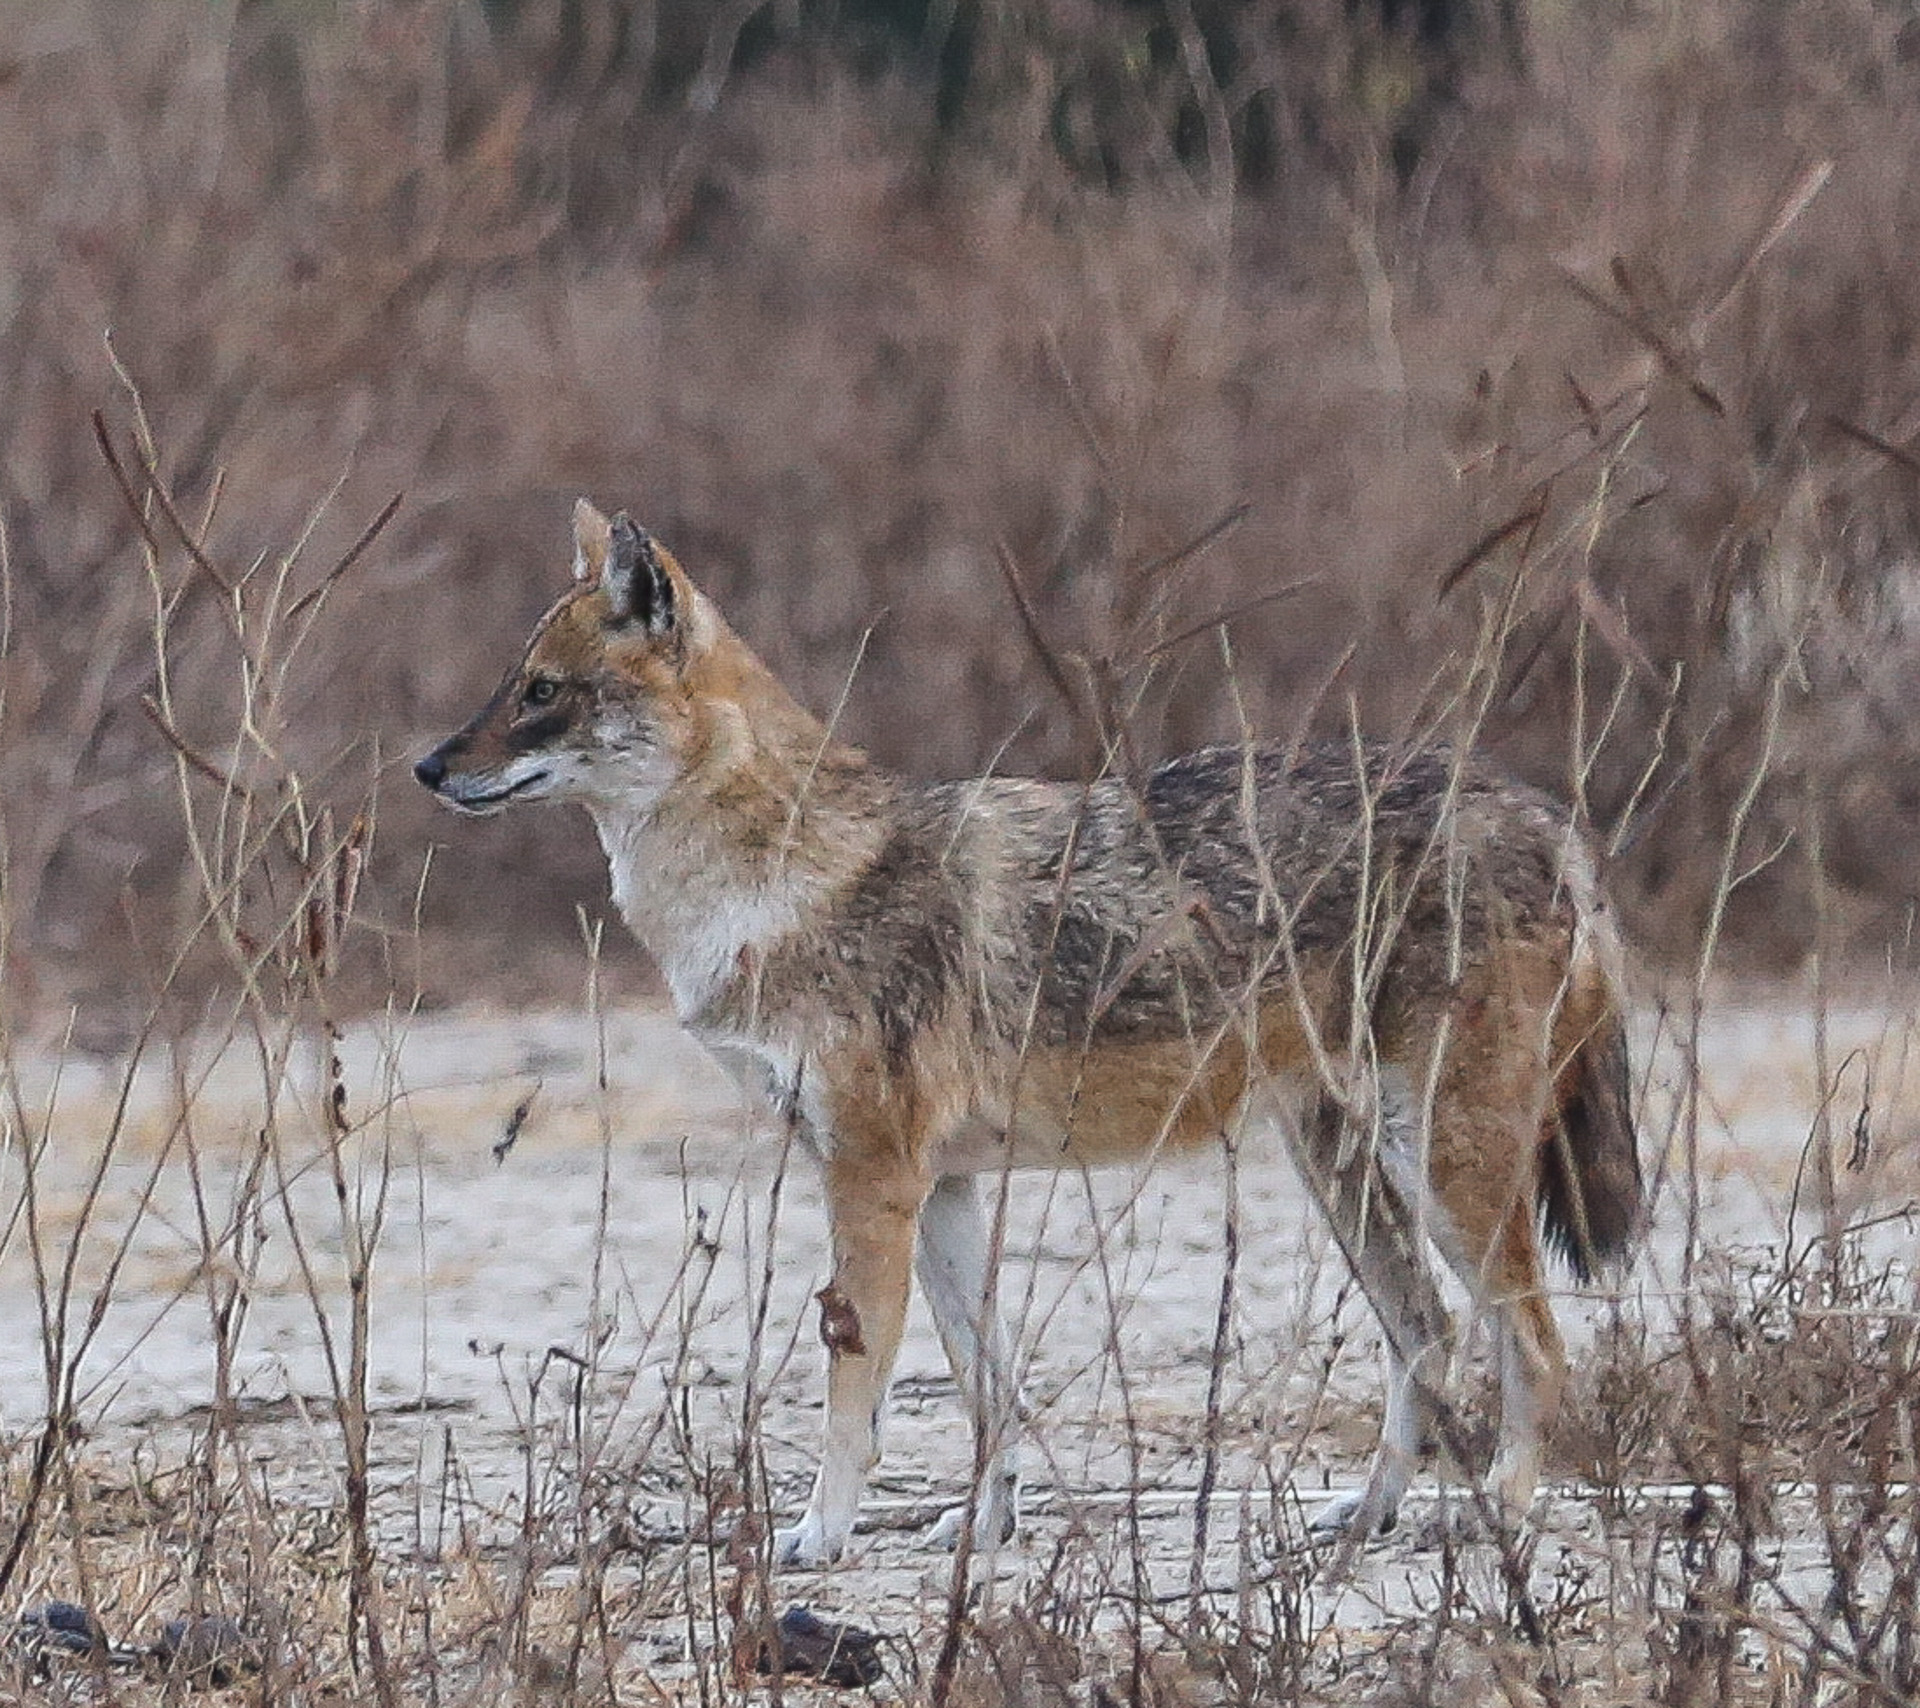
<point x="631" y="1230"/>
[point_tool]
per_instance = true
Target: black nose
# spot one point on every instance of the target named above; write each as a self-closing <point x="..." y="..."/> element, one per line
<point x="431" y="770"/>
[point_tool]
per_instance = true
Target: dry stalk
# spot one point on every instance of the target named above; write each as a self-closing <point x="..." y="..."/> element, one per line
<point x="283" y="960"/>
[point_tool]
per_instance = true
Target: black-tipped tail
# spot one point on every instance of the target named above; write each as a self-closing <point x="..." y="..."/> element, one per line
<point x="1592" y="1197"/>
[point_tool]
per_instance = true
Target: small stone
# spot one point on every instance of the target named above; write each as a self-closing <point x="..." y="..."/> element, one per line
<point x="824" y="1649"/>
<point x="210" y="1650"/>
<point x="60" y="1627"/>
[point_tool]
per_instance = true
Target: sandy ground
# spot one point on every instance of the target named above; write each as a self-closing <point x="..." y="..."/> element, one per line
<point x="633" y="1227"/>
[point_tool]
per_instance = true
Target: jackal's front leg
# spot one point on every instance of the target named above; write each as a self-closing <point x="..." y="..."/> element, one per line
<point x="872" y="1203"/>
<point x="952" y="1263"/>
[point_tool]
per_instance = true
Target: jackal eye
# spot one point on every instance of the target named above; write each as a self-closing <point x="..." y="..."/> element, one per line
<point x="541" y="691"/>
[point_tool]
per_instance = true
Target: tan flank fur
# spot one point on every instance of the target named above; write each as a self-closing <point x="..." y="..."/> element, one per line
<point x="1399" y="958"/>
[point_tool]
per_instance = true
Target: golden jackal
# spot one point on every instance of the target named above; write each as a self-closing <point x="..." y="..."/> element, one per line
<point x="1399" y="958"/>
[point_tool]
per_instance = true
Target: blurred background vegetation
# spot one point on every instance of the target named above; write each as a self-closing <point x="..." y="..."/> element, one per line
<point x="1597" y="317"/>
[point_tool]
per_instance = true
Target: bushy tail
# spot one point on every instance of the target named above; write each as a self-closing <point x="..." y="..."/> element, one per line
<point x="1592" y="1198"/>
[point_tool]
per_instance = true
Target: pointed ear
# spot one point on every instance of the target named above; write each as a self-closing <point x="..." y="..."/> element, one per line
<point x="636" y="581"/>
<point x="592" y="533"/>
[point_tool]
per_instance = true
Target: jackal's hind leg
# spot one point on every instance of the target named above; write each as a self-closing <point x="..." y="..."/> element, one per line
<point x="1533" y="1369"/>
<point x="1488" y="1112"/>
<point x="952" y="1264"/>
<point x="1387" y="1251"/>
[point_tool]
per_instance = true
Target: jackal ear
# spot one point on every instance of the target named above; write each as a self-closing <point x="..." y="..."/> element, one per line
<point x="592" y="533"/>
<point x="635" y="580"/>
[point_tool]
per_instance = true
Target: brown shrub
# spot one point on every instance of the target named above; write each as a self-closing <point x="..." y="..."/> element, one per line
<point x="1643" y="275"/>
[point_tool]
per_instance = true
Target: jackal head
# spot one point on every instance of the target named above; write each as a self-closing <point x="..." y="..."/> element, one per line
<point x="601" y="709"/>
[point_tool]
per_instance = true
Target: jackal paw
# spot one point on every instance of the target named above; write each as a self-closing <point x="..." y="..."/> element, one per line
<point x="1344" y="1512"/>
<point x="997" y="1520"/>
<point x="806" y="1546"/>
<point x="1455" y="1524"/>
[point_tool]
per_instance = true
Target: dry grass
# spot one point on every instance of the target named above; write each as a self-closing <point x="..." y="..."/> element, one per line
<point x="1741" y="1530"/>
<point x="1614" y="366"/>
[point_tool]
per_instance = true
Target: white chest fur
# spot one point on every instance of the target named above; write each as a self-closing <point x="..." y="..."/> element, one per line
<point x="696" y="921"/>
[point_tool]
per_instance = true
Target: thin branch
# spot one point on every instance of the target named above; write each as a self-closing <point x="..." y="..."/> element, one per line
<point x="1221" y="619"/>
<point x="353" y="555"/>
<point x="1897" y="454"/>
<point x="1043" y="649"/>
<point x="1526" y="521"/>
<point x="105" y="441"/>
<point x="1676" y="363"/>
<point x="195" y="759"/>
<point x="193" y="547"/>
